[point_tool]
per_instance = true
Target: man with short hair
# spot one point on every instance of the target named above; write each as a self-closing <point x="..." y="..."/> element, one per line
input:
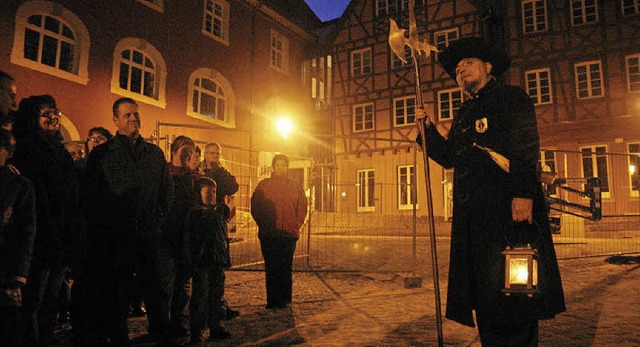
<point x="127" y="196"/>
<point x="8" y="103"/>
<point x="493" y="145"/>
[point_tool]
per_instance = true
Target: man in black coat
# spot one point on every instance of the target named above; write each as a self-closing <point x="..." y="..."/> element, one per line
<point x="127" y="195"/>
<point x="493" y="145"/>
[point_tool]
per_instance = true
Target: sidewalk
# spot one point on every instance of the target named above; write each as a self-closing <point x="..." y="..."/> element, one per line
<point x="339" y="309"/>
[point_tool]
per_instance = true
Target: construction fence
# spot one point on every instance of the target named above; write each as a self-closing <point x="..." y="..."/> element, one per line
<point x="365" y="220"/>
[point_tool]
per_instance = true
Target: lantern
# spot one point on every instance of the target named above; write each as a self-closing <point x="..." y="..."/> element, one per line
<point x="520" y="270"/>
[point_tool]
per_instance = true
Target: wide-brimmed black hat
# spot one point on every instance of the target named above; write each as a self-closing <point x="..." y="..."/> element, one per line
<point x="473" y="47"/>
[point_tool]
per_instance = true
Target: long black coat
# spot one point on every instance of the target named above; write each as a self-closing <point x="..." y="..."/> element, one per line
<point x="42" y="158"/>
<point x="502" y="118"/>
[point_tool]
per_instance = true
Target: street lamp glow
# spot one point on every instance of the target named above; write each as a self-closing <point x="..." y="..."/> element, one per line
<point x="632" y="169"/>
<point x="284" y="126"/>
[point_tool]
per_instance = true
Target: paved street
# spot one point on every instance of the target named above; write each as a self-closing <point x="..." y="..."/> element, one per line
<point x="338" y="309"/>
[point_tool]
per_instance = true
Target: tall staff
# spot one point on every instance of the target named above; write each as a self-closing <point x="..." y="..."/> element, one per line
<point x="398" y="41"/>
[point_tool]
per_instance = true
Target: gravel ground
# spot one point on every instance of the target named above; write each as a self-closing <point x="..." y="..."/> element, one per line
<point x="345" y="309"/>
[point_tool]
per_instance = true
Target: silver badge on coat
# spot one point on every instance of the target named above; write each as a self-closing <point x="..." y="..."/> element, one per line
<point x="481" y="125"/>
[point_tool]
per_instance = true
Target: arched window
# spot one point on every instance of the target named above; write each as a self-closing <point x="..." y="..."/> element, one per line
<point x="211" y="98"/>
<point x="51" y="39"/>
<point x="139" y="72"/>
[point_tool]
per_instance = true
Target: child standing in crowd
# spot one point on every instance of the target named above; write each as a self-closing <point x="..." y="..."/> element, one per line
<point x="209" y="244"/>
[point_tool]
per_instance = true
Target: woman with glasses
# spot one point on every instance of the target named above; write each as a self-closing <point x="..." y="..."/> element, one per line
<point x="41" y="156"/>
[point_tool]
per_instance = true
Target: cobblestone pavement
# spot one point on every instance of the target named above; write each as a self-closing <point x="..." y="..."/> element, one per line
<point x="342" y="309"/>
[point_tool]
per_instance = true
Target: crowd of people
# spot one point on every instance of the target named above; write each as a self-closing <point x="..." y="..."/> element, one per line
<point x="98" y="232"/>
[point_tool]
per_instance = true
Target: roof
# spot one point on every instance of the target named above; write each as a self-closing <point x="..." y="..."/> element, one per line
<point x="296" y="11"/>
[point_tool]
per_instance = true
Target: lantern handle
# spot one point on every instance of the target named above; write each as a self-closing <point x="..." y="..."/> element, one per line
<point x="510" y="227"/>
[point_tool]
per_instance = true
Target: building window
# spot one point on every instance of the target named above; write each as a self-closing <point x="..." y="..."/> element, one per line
<point x="589" y="82"/>
<point x="406" y="187"/>
<point x="211" y="98"/>
<point x="534" y="16"/>
<point x="404" y="111"/>
<point x="215" y="23"/>
<point x="365" y="191"/>
<point x="594" y="164"/>
<point x="51" y="39"/>
<point x="444" y="38"/>
<point x="363" y="117"/>
<point x="584" y="12"/>
<point x="157" y="5"/>
<point x="279" y="51"/>
<point x="630" y="7"/>
<point x="547" y="161"/>
<point x="539" y="86"/>
<point x="633" y="72"/>
<point x="449" y="102"/>
<point x="361" y="62"/>
<point x="139" y="72"/>
<point x="385" y="7"/>
<point x="634" y="168"/>
<point x="396" y="63"/>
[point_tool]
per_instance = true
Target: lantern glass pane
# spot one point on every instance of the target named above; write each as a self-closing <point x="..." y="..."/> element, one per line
<point x="535" y="272"/>
<point x="518" y="271"/>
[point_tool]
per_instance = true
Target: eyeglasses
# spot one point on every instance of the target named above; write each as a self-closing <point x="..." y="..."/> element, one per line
<point x="51" y="114"/>
<point x="99" y="139"/>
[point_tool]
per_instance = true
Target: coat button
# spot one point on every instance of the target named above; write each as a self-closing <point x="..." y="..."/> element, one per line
<point x="464" y="197"/>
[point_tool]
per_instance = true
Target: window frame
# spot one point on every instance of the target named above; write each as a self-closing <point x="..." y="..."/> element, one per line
<point x="366" y="176"/>
<point x="538" y="86"/>
<point x="364" y="113"/>
<point x="451" y="103"/>
<point x="630" y="161"/>
<point x="445" y="33"/>
<point x="157" y="5"/>
<point x="584" y="15"/>
<point x="589" y="80"/>
<point x="364" y="66"/>
<point x="594" y="167"/>
<point x="534" y="4"/>
<point x="131" y="43"/>
<point x="405" y="108"/>
<point x="229" y="97"/>
<point x="629" y="75"/>
<point x="636" y="8"/>
<point x="408" y="187"/>
<point x="82" y="43"/>
<point x="284" y="52"/>
<point x="224" y="38"/>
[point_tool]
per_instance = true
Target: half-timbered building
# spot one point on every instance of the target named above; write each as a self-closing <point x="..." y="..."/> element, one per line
<point x="577" y="59"/>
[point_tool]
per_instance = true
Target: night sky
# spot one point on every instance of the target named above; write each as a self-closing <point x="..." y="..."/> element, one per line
<point x="328" y="9"/>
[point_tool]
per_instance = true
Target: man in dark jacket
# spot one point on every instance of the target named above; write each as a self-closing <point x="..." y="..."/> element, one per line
<point x="225" y="181"/>
<point x="127" y="195"/>
<point x="493" y="145"/>
<point x="17" y="232"/>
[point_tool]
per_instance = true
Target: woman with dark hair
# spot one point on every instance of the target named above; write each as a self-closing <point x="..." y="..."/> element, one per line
<point x="41" y="157"/>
